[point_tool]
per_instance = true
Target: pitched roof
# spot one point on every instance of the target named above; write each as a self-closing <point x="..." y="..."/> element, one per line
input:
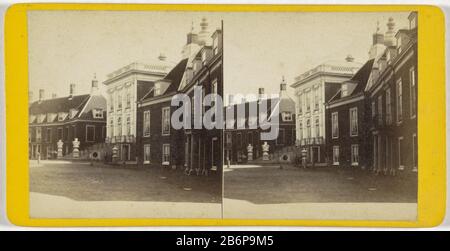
<point x="63" y="104"/>
<point x="361" y="77"/>
<point x="174" y="76"/>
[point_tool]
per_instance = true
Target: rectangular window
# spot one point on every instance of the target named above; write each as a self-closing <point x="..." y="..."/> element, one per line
<point x="38" y="134"/>
<point x="146" y="126"/>
<point x="308" y="101"/>
<point x="147" y="154"/>
<point x="111" y="103"/>
<point x="228" y="139"/>
<point x="355" y="155"/>
<point x="90" y="133"/>
<point x="414" y="152"/>
<point x="412" y="90"/>
<point x="317" y="128"/>
<point x="380" y="110"/>
<point x="166" y="154"/>
<point x="399" y="101"/>
<point x="287" y="116"/>
<point x="388" y="107"/>
<point x="128" y="125"/>
<point x="119" y="127"/>
<point x="166" y="121"/>
<point x="354" y="121"/>
<point x="49" y="135"/>
<point x="60" y="133"/>
<point x="335" y="155"/>
<point x="98" y="113"/>
<point x="300" y="103"/>
<point x="400" y="155"/>
<point x="119" y="102"/>
<point x="334" y="125"/>
<point x="300" y="130"/>
<point x="316" y="99"/>
<point x="281" y="137"/>
<point x="128" y="99"/>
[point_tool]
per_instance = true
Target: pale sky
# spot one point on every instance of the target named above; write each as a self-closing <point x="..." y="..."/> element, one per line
<point x="70" y="46"/>
<point x="261" y="47"/>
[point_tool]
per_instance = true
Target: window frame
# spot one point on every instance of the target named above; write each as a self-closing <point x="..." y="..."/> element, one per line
<point x="412" y="93"/>
<point x="352" y="155"/>
<point x="351" y="110"/>
<point x="399" y="100"/>
<point x="87" y="133"/>
<point x="334" y="124"/>
<point x="335" y="163"/>
<point x="164" y="155"/>
<point x="144" y="124"/>
<point x="145" y="161"/>
<point x="165" y="120"/>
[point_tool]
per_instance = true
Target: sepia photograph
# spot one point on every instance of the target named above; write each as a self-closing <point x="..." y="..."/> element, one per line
<point x="338" y="94"/>
<point x="105" y="88"/>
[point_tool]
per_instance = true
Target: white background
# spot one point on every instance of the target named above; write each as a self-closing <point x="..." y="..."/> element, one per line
<point x="4" y="223"/>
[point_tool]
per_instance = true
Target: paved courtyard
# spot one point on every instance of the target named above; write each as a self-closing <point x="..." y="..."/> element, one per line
<point x="82" y="182"/>
<point x="272" y="185"/>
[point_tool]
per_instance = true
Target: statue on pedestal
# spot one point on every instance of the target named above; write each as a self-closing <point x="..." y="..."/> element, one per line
<point x="76" y="150"/>
<point x="265" y="150"/>
<point x="114" y="154"/>
<point x="60" y="149"/>
<point x="249" y="152"/>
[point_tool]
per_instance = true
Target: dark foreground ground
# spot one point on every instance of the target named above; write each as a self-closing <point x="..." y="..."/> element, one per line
<point x="80" y="181"/>
<point x="271" y="185"/>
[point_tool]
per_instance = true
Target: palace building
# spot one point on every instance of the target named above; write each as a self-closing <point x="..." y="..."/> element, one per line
<point x="66" y="119"/>
<point x="240" y="139"/>
<point x="312" y="89"/>
<point x="372" y="119"/>
<point x="195" y="150"/>
<point x="124" y="88"/>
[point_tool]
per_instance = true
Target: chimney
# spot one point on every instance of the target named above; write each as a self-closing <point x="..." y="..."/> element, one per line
<point x="260" y="93"/>
<point x="72" y="91"/>
<point x="94" y="85"/>
<point x="54" y="95"/>
<point x="283" y="88"/>
<point x="30" y="96"/>
<point x="41" y="95"/>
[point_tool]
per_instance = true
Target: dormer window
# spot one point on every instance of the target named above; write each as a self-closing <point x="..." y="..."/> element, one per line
<point x="97" y="113"/>
<point x="413" y="22"/>
<point x="216" y="45"/>
<point x="51" y="117"/>
<point x="61" y="116"/>
<point x="287" y="116"/>
<point x="344" y="90"/>
<point x="41" y="118"/>
<point x="204" y="57"/>
<point x="32" y="118"/>
<point x="73" y="113"/>
<point x="399" y="44"/>
<point x="157" y="89"/>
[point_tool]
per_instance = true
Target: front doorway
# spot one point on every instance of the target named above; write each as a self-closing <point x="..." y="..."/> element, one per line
<point x="315" y="154"/>
<point x="215" y="153"/>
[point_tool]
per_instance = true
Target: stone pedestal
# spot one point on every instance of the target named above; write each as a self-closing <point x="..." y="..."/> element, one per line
<point x="60" y="149"/>
<point x="115" y="157"/>
<point x="76" y="148"/>
<point x="265" y="150"/>
<point x="249" y="152"/>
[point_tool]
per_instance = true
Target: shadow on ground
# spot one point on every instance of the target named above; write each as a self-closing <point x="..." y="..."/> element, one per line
<point x="272" y="185"/>
<point x="82" y="182"/>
